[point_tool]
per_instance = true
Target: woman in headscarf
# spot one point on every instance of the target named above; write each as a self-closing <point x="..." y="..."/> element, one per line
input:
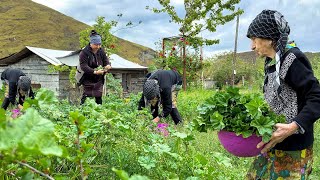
<point x="91" y="57"/>
<point x="17" y="84"/>
<point x="161" y="89"/>
<point x="290" y="89"/>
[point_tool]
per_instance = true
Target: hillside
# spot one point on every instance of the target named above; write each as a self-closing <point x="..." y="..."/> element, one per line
<point x="251" y="55"/>
<point x="26" y="23"/>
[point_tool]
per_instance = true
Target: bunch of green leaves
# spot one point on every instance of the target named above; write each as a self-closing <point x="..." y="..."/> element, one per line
<point x="99" y="68"/>
<point x="243" y="114"/>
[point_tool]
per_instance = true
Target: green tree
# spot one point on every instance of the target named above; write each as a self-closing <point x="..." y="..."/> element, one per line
<point x="104" y="29"/>
<point x="199" y="15"/>
<point x="220" y="70"/>
<point x="170" y="58"/>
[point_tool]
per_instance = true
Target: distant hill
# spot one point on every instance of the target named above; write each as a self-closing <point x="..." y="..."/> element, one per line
<point x="251" y="55"/>
<point x="26" y="23"/>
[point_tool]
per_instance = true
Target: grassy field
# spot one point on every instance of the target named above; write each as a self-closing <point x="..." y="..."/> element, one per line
<point x="123" y="138"/>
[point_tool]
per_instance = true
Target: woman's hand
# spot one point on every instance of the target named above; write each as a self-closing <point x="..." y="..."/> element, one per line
<point x="283" y="131"/>
<point x="20" y="106"/>
<point x="107" y="67"/>
<point x="98" y="72"/>
<point x="156" y="120"/>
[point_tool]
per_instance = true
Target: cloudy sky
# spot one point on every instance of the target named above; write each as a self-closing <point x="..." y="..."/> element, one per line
<point x="302" y="15"/>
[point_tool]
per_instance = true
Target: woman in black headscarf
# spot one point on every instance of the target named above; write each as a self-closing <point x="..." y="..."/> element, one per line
<point x="290" y="89"/>
<point x="17" y="85"/>
<point x="161" y="89"/>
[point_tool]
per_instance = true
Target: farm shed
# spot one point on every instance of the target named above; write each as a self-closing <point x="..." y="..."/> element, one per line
<point x="35" y="62"/>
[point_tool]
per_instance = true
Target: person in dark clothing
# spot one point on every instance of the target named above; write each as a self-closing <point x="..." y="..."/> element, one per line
<point x="290" y="89"/>
<point x="161" y="89"/>
<point x="141" y="102"/>
<point x="17" y="84"/>
<point x="91" y="57"/>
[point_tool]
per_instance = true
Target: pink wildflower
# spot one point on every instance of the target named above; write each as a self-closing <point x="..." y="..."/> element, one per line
<point x="162" y="129"/>
<point x="15" y="113"/>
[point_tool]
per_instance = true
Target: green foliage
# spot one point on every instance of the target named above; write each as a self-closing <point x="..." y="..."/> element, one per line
<point x="315" y="62"/>
<point x="30" y="138"/>
<point x="27" y="134"/>
<point x="124" y="175"/>
<point x="113" y="85"/>
<point x="117" y="141"/>
<point x="242" y="114"/>
<point x="62" y="68"/>
<point x="171" y="59"/>
<point x="199" y="16"/>
<point x="221" y="69"/>
<point x="104" y="29"/>
<point x="189" y="100"/>
<point x="72" y="75"/>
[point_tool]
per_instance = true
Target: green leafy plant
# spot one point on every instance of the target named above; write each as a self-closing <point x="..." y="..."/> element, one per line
<point x="99" y="68"/>
<point x="243" y="114"/>
<point x="28" y="142"/>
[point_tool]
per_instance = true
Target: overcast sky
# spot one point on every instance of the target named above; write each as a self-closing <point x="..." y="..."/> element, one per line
<point x="302" y="15"/>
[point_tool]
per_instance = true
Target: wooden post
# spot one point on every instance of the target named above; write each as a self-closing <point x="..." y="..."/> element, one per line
<point x="235" y="53"/>
<point x="163" y="52"/>
<point x="201" y="58"/>
<point x="184" y="85"/>
<point x="243" y="81"/>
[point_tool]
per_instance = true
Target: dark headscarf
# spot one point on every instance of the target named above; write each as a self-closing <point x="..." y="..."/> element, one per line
<point x="24" y="83"/>
<point x="151" y="89"/>
<point x="271" y="24"/>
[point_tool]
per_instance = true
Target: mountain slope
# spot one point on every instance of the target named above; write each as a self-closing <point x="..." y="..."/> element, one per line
<point x="26" y="23"/>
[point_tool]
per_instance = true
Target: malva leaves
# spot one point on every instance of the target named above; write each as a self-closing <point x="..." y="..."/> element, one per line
<point x="30" y="132"/>
<point x="216" y="120"/>
<point x="243" y="114"/>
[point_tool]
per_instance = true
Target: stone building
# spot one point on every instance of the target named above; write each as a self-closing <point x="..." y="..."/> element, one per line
<point x="35" y="63"/>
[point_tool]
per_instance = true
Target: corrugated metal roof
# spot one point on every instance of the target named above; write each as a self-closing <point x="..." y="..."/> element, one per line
<point x="121" y="63"/>
<point x="49" y="55"/>
<point x="71" y="58"/>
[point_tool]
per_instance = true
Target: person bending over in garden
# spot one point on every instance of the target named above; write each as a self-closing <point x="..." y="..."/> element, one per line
<point x="91" y="57"/>
<point x="161" y="89"/>
<point x="290" y="89"/>
<point x="17" y="85"/>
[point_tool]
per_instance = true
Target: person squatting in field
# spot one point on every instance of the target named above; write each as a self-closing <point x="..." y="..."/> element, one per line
<point x="17" y="85"/>
<point x="161" y="89"/>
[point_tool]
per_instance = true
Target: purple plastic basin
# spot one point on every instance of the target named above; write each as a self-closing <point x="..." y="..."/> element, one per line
<point x="239" y="146"/>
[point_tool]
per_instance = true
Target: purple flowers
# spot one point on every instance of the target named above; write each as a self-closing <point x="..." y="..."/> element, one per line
<point x="162" y="129"/>
<point x="15" y="113"/>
